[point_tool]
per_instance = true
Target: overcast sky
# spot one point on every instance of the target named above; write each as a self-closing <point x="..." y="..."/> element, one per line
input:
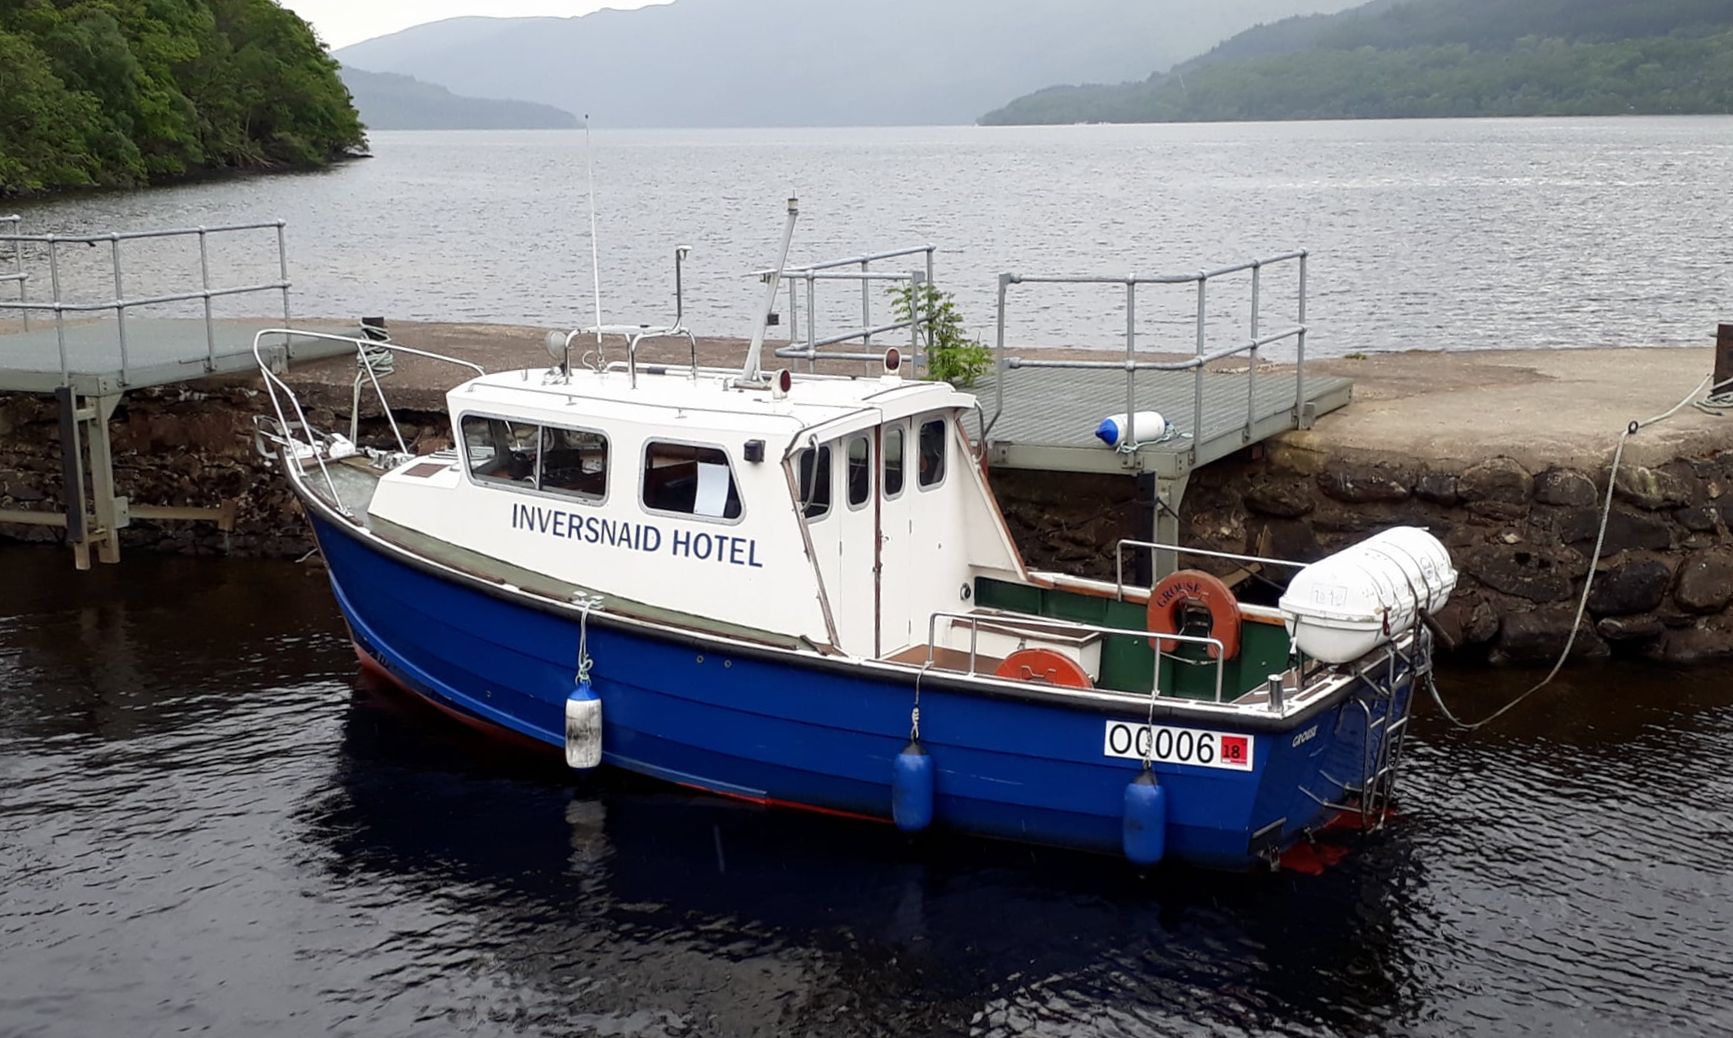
<point x="342" y="22"/>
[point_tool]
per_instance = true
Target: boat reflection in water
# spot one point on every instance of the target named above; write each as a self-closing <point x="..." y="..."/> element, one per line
<point x="636" y="895"/>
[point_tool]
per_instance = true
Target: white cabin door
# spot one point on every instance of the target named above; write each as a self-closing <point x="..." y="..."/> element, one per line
<point x="836" y="486"/>
<point x="897" y="554"/>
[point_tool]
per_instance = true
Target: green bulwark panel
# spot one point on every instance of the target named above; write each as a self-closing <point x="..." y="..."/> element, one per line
<point x="1128" y="663"/>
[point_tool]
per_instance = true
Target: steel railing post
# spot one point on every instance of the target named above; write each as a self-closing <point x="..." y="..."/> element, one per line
<point x="1130" y="362"/>
<point x="59" y="313"/>
<point x="793" y="311"/>
<point x="811" y="322"/>
<point x="119" y="303"/>
<point x="283" y="275"/>
<point x="17" y="223"/>
<point x="205" y="284"/>
<point x="866" y="306"/>
<point x="1300" y="352"/>
<point x="915" y="288"/>
<point x="1252" y="365"/>
<point x="1000" y="368"/>
<point x="1197" y="431"/>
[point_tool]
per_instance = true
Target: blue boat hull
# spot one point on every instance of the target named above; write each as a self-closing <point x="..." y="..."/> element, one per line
<point x="790" y="729"/>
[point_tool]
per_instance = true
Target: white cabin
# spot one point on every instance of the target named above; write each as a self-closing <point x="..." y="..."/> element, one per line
<point x="842" y="511"/>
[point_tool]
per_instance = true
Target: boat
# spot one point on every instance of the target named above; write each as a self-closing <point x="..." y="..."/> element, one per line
<point x="798" y="590"/>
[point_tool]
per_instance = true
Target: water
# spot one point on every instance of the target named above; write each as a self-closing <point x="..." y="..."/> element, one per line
<point x="1429" y="234"/>
<point x="205" y="825"/>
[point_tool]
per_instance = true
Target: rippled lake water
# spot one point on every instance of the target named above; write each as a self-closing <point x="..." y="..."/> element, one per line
<point x="1425" y="234"/>
<point x="207" y="825"/>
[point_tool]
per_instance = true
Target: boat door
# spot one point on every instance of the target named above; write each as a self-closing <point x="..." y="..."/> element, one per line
<point x="896" y="538"/>
<point x="837" y="494"/>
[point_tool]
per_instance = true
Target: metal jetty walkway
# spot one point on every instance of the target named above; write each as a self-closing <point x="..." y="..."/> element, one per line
<point x="88" y="362"/>
<point x="1041" y="413"/>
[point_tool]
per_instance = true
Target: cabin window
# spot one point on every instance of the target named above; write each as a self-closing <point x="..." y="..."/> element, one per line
<point x="860" y="471"/>
<point x="814" y="470"/>
<point x="500" y="451"/>
<point x="932" y="453"/>
<point x="575" y="462"/>
<point x="689" y="480"/>
<point x="894" y="437"/>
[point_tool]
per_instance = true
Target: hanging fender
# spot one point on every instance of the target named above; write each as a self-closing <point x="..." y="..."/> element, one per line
<point x="1169" y="599"/>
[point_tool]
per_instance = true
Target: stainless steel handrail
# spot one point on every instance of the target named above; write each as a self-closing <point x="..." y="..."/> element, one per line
<point x="831" y="270"/>
<point x="1202" y="355"/>
<point x="120" y="304"/>
<point x="1127" y="542"/>
<point x="274" y="382"/>
<point x="975" y="620"/>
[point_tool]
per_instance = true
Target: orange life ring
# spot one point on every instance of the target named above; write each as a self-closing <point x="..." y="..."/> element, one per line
<point x="1167" y="602"/>
<point x="1045" y="666"/>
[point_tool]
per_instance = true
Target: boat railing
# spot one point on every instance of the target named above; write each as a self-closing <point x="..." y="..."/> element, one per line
<point x="120" y="304"/>
<point x="974" y="621"/>
<point x="1175" y="550"/>
<point x="299" y="438"/>
<point x="635" y="335"/>
<point x="1203" y="354"/>
<point x="859" y="269"/>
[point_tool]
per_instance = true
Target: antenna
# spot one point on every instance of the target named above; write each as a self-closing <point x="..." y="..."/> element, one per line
<point x="595" y="250"/>
<point x="750" y="372"/>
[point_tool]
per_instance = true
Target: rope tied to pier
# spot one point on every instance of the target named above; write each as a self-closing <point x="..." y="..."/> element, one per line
<point x="1716" y="392"/>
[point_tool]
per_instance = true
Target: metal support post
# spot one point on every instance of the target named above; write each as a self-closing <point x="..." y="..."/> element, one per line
<point x="1130" y="369"/>
<point x="1170" y="494"/>
<point x="107" y="508"/>
<point x="915" y="308"/>
<point x="119" y="302"/>
<point x="59" y="313"/>
<point x="18" y="269"/>
<point x="866" y="306"/>
<point x="811" y="321"/>
<point x="1252" y="361"/>
<point x="205" y="284"/>
<point x="1197" y="431"/>
<point x="1300" y="418"/>
<point x="72" y="476"/>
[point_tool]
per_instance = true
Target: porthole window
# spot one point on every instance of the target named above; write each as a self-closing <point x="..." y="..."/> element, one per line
<point x="931" y="448"/>
<point x="690" y="480"/>
<point x="813" y="469"/>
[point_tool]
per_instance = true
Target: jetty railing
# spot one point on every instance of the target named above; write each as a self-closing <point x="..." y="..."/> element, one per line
<point x="1202" y="356"/>
<point x="299" y="438"/>
<point x="859" y="269"/>
<point x="120" y="304"/>
<point x="11" y="225"/>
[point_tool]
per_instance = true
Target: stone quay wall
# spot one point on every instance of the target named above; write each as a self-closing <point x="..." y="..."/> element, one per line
<point x="1521" y="540"/>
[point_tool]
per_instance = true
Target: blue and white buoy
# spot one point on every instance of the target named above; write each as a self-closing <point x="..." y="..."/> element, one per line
<point x="912" y="788"/>
<point x="583" y="726"/>
<point x="1145" y="834"/>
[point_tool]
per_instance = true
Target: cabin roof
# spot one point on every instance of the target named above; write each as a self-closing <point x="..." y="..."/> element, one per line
<point x="710" y="401"/>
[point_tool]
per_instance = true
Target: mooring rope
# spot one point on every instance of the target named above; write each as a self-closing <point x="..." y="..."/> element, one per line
<point x="1594" y="560"/>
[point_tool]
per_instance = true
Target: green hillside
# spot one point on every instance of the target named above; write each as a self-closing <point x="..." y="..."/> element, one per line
<point x="99" y="93"/>
<point x="1434" y="58"/>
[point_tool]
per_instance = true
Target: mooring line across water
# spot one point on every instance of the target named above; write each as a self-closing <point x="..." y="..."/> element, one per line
<point x="1696" y="396"/>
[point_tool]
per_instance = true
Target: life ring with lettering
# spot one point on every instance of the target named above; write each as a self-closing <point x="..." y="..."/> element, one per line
<point x="1046" y="667"/>
<point x="1169" y="600"/>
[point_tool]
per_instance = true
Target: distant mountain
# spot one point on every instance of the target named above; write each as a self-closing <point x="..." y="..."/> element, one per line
<point x="809" y="62"/>
<point x="388" y="101"/>
<point x="1420" y="58"/>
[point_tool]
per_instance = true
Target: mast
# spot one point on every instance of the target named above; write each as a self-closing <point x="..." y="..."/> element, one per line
<point x="750" y="372"/>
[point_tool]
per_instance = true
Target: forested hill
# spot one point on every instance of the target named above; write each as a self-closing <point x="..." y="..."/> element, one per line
<point x="1421" y="58"/>
<point x="123" y="92"/>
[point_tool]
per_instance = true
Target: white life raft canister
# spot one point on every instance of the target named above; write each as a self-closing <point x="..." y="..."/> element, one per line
<point x="1344" y="606"/>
